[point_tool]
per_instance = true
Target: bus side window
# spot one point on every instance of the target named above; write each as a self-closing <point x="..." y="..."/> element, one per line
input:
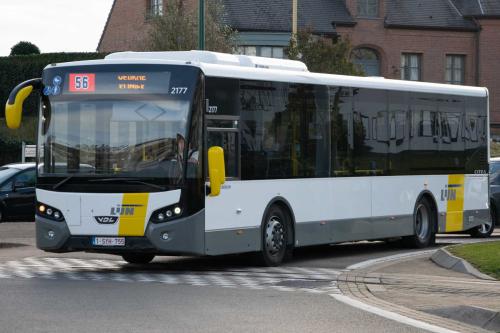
<point x="228" y="140"/>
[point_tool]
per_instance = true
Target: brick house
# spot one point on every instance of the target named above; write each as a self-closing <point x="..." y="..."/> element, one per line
<point x="447" y="41"/>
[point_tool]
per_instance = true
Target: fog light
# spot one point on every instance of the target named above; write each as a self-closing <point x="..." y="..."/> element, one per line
<point x="164" y="236"/>
<point x="169" y="213"/>
<point x="177" y="210"/>
<point x="57" y="215"/>
<point x="41" y="208"/>
<point x="51" y="234"/>
<point x="49" y="211"/>
<point x="161" y="216"/>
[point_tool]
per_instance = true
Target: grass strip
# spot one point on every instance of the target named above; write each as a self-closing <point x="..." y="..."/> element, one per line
<point x="483" y="256"/>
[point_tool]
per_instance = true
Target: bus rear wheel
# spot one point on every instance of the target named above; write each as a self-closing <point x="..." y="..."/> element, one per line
<point x="276" y="234"/>
<point x="485" y="230"/>
<point x="138" y="258"/>
<point x="423" y="226"/>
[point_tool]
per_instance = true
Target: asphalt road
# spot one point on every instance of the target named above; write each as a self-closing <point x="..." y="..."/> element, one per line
<point x="82" y="292"/>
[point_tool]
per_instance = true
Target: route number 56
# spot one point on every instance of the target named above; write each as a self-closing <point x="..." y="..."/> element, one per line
<point x="81" y="82"/>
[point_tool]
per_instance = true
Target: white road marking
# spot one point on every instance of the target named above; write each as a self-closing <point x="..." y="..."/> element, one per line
<point x="371" y="262"/>
<point x="390" y="315"/>
<point x="110" y="270"/>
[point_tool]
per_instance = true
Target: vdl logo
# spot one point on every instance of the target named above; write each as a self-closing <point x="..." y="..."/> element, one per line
<point x="106" y="219"/>
<point x="449" y="193"/>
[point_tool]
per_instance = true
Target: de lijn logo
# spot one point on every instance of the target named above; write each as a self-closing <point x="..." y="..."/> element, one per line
<point x="55" y="88"/>
<point x="449" y="193"/>
<point x="124" y="210"/>
<point x="116" y="212"/>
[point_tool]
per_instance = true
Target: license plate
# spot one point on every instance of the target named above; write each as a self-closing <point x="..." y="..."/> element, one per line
<point x="108" y="241"/>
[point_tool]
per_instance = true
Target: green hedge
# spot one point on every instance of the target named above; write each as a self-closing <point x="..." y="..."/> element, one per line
<point x="14" y="70"/>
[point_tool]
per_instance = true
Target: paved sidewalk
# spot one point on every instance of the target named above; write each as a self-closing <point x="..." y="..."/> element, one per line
<point x="419" y="289"/>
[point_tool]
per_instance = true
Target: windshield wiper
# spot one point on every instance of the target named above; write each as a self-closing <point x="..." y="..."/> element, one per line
<point x="128" y="180"/>
<point x="62" y="182"/>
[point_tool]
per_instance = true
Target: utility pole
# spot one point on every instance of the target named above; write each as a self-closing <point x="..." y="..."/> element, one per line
<point x="201" y="24"/>
<point x="294" y="18"/>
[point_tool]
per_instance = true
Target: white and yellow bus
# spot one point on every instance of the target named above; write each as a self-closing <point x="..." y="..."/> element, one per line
<point x="203" y="153"/>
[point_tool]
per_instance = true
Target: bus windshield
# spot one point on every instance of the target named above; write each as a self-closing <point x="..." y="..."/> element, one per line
<point x="118" y="136"/>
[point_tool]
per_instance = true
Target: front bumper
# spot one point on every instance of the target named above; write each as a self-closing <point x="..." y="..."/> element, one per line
<point x="185" y="236"/>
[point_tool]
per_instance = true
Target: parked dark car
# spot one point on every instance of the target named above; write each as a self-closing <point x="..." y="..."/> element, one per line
<point x="494" y="192"/>
<point x="17" y="191"/>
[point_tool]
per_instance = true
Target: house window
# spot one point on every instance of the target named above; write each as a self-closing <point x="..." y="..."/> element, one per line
<point x="155" y="7"/>
<point x="262" y="51"/>
<point x="247" y="50"/>
<point x="271" y="52"/>
<point x="411" y="66"/>
<point x="368" y="60"/>
<point x="455" y="69"/>
<point x="368" y="8"/>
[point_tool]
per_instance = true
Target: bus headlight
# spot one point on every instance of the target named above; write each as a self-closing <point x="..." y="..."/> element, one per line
<point x="49" y="212"/>
<point x="166" y="214"/>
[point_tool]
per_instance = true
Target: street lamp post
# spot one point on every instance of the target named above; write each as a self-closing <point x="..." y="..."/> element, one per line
<point x="201" y="25"/>
<point x="294" y="17"/>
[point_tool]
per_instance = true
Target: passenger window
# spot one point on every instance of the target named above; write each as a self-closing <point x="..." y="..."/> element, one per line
<point x="428" y="123"/>
<point x="27" y="177"/>
<point x="6" y="187"/>
<point x="228" y="140"/>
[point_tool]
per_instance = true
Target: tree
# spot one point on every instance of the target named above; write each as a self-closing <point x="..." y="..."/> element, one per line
<point x="177" y="29"/>
<point x="321" y="54"/>
<point x="24" y="48"/>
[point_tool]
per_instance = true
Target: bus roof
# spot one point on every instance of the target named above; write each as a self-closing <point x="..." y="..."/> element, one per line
<point x="215" y="64"/>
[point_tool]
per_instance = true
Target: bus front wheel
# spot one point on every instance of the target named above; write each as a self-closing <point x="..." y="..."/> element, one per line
<point x="423" y="226"/>
<point x="138" y="258"/>
<point x="276" y="234"/>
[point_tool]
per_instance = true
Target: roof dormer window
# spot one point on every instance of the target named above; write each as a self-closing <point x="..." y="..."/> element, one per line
<point x="368" y="8"/>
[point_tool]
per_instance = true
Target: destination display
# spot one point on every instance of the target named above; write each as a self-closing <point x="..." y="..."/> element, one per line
<point x="116" y="83"/>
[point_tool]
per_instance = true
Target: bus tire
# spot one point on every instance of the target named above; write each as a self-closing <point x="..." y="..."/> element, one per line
<point x="423" y="226"/>
<point x="275" y="235"/>
<point x="138" y="258"/>
<point x="485" y="230"/>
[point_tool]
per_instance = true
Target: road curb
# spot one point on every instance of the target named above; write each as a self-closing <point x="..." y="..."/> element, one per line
<point x="11" y="245"/>
<point x="356" y="286"/>
<point x="447" y="260"/>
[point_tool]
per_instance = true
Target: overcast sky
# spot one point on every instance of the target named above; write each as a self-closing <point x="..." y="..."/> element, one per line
<point x="53" y="25"/>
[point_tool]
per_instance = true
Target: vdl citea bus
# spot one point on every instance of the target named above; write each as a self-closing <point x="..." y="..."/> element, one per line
<point x="203" y="153"/>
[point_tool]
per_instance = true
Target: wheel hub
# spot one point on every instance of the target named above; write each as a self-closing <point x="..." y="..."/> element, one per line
<point x="485" y="228"/>
<point x="422" y="222"/>
<point x="275" y="236"/>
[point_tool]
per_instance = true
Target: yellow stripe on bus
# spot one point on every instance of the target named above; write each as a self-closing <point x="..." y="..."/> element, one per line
<point x="133" y="214"/>
<point x="455" y="203"/>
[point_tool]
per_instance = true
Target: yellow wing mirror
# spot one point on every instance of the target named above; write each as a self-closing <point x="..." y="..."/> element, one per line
<point x="14" y="105"/>
<point x="216" y="169"/>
